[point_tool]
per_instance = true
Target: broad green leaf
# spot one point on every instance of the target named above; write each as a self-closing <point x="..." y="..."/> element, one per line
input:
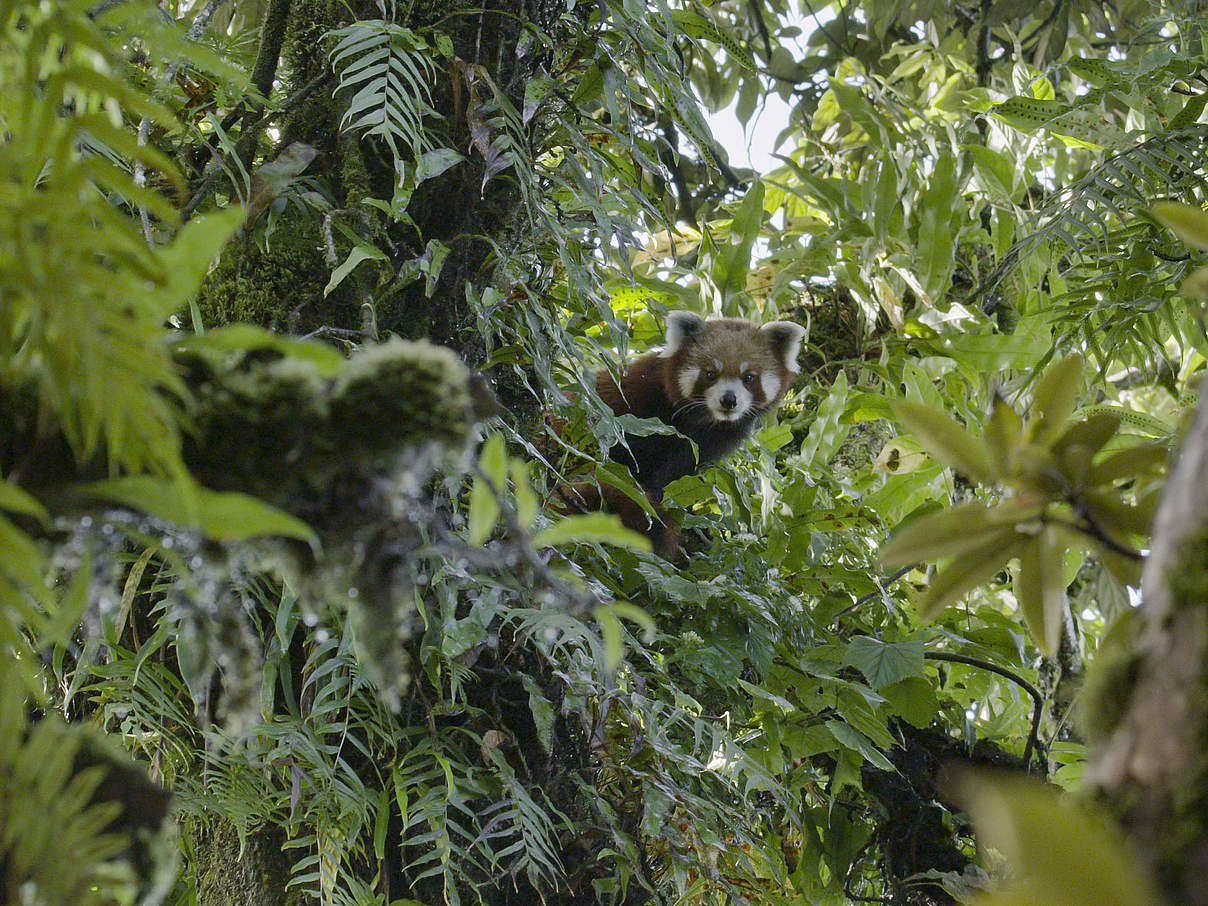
<point x="1061" y="853"/>
<point x="231" y="338"/>
<point x="936" y="243"/>
<point x="358" y="254"/>
<point x="826" y="430"/>
<point x="946" y="440"/>
<point x="527" y="503"/>
<point x="914" y="699"/>
<point x="15" y="500"/>
<point x="968" y="571"/>
<point x="221" y="515"/>
<point x="1115" y="517"/>
<point x="1188" y="223"/>
<point x="591" y="527"/>
<point x="433" y="163"/>
<point x="542" y="711"/>
<point x="1053" y="399"/>
<point x="484" y="501"/>
<point x="189" y="256"/>
<point x="1003" y="431"/>
<point x="955" y="531"/>
<point x="1076" y="448"/>
<point x="733" y="259"/>
<point x="1130" y="462"/>
<point x="884" y="663"/>
<point x="1040" y="589"/>
<point x="853" y="739"/>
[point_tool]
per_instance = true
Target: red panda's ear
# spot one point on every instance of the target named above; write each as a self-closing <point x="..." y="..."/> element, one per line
<point x="680" y="326"/>
<point x="785" y="337"/>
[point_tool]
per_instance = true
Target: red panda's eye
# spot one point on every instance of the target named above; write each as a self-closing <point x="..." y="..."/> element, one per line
<point x="710" y="374"/>
<point x="748" y="379"/>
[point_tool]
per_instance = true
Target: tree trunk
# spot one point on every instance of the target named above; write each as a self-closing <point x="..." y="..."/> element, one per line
<point x="1152" y="768"/>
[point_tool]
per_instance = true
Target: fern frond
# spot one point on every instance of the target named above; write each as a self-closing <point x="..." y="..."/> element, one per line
<point x="388" y="70"/>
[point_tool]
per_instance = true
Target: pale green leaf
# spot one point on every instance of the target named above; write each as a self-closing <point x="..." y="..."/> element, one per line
<point x="591" y="528"/>
<point x="946" y="440"/>
<point x="1061" y="852"/>
<point x="1040" y="589"/>
<point x="1188" y="223"/>
<point x="955" y="531"/>
<point x="1053" y="399"/>
<point x="968" y="571"/>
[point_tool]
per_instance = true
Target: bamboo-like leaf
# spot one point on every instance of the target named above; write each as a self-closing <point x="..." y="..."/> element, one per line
<point x="1040" y="589"/>
<point x="591" y="527"/>
<point x="946" y="440"/>
<point x="967" y="572"/>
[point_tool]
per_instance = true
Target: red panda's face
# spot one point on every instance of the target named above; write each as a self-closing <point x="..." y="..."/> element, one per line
<point x="730" y="367"/>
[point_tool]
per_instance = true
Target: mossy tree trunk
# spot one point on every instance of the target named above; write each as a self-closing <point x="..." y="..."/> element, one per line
<point x="1152" y="768"/>
<point x="277" y="273"/>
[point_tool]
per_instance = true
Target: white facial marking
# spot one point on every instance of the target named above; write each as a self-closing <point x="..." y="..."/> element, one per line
<point x="687" y="380"/>
<point x="680" y="326"/>
<point x="770" y="381"/>
<point x="742" y="400"/>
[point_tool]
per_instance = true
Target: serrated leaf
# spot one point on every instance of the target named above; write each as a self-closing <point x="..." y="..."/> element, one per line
<point x="1053" y="399"/>
<point x="968" y="571"/>
<point x="946" y="440"/>
<point x="1060" y="853"/>
<point x="590" y="528"/>
<point x="1188" y="223"/>
<point x="884" y="663"/>
<point x="1040" y="589"/>
<point x="221" y="515"/>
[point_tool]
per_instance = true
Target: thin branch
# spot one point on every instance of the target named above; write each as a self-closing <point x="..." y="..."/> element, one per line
<point x="1037" y="699"/>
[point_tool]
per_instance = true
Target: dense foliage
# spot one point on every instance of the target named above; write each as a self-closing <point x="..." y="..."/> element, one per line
<point x="295" y="559"/>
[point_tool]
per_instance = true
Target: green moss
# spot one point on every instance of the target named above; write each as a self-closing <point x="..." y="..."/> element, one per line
<point x="400" y="392"/>
<point x="280" y="286"/>
<point x="276" y="428"/>
<point x="1189" y="580"/>
<point x="1108" y="687"/>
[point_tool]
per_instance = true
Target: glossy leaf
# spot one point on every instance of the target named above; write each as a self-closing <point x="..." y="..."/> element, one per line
<point x="591" y="528"/>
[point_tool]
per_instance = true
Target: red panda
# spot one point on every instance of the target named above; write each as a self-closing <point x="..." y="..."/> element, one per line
<point x="712" y="381"/>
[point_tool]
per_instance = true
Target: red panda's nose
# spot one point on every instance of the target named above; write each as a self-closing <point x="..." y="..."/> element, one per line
<point x="729" y="400"/>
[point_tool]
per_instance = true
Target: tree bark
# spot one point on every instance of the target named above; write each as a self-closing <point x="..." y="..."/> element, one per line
<point x="1152" y="768"/>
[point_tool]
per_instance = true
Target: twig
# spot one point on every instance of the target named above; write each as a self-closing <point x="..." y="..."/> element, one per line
<point x="880" y="592"/>
<point x="1037" y="698"/>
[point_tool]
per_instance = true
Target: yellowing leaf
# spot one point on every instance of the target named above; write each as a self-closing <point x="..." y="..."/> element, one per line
<point x="946" y="440"/>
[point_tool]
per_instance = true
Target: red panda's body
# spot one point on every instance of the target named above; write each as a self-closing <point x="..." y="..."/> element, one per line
<point x="712" y="381"/>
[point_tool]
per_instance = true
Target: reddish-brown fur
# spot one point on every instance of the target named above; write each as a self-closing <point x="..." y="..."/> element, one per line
<point x="704" y="367"/>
